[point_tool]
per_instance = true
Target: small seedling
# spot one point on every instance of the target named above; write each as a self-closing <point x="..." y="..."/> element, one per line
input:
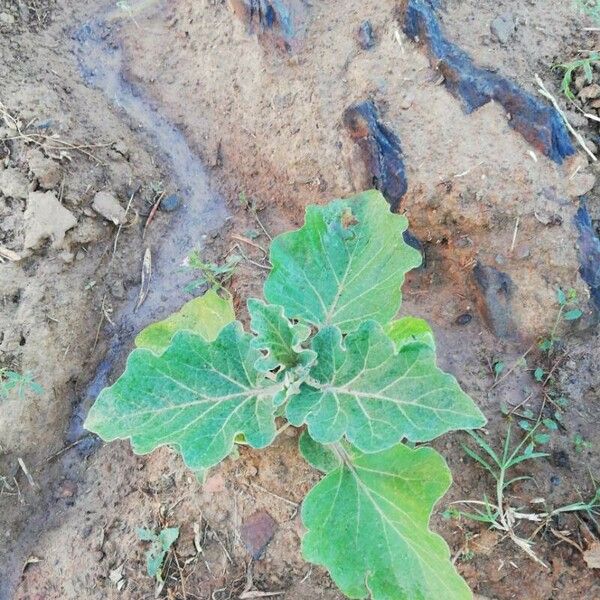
<point x="211" y="274"/>
<point x="161" y="545"/>
<point x="327" y="353"/>
<point x="572" y="68"/>
<point x="580" y="443"/>
<point x="20" y="383"/>
<point x="568" y="311"/>
<point x="497" y="513"/>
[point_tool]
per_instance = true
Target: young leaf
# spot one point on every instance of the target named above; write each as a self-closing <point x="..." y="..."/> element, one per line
<point x="205" y="315"/>
<point x="409" y="330"/>
<point x="196" y="396"/>
<point x="367" y="523"/>
<point x="281" y="339"/>
<point x="375" y="396"/>
<point x="561" y="297"/>
<point x="345" y="265"/>
<point x="573" y="315"/>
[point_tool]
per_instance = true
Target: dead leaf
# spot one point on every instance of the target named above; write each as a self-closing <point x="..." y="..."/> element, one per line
<point x="592" y="556"/>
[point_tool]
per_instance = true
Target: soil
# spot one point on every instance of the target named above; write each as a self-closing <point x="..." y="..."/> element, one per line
<point x="144" y="100"/>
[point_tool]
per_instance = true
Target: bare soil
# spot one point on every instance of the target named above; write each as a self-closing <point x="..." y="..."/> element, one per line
<point x="181" y="98"/>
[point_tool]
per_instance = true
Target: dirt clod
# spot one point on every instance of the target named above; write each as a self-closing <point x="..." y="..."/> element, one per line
<point x="46" y="218"/>
<point x="107" y="206"/>
<point x="13" y="184"/>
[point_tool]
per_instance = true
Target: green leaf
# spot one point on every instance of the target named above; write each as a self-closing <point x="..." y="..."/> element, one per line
<point x="541" y="438"/>
<point x="538" y="374"/>
<point x="196" y="396"/>
<point x="161" y="545"/>
<point x="409" y="330"/>
<point x="281" y="339"/>
<point x="205" y="315"/>
<point x="346" y="264"/>
<point x="317" y="455"/>
<point x="368" y="521"/>
<point x="550" y="424"/>
<point x="573" y="315"/>
<point x="498" y="367"/>
<point x="561" y="297"/>
<point x="525" y="425"/>
<point x="363" y="389"/>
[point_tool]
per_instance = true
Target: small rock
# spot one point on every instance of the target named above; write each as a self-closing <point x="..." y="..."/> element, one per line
<point x="45" y="217"/>
<point x="46" y="171"/>
<point x="464" y="319"/>
<point x="366" y="37"/>
<point x="107" y="206"/>
<point x="13" y="184"/>
<point x="171" y="203"/>
<point x="117" y="290"/>
<point x="590" y="92"/>
<point x="576" y="119"/>
<point x="581" y="184"/>
<point x="593" y="148"/>
<point x="6" y="19"/>
<point x="503" y="28"/>
<point x="257" y="531"/>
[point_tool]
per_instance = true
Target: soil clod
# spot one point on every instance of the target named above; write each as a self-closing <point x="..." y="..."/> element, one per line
<point x="366" y="35"/>
<point x="107" y="206"/>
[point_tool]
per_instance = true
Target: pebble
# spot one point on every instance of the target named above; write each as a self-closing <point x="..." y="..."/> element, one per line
<point x="7" y="19"/>
<point x="464" y="319"/>
<point x="46" y="171"/>
<point x="581" y="184"/>
<point x="13" y="184"/>
<point x="107" y="206"/>
<point x="171" y="203"/>
<point x="45" y="217"/>
<point x="590" y="92"/>
<point x="366" y="37"/>
<point x="503" y="28"/>
<point x="257" y="531"/>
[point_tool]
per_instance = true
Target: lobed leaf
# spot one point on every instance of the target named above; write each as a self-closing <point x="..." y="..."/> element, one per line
<point x="280" y="338"/>
<point x="196" y="396"/>
<point x="374" y="395"/>
<point x="205" y="315"/>
<point x="368" y="521"/>
<point x="345" y="265"/>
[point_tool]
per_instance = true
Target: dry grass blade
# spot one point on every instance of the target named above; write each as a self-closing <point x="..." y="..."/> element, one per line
<point x="146" y="276"/>
<point x="46" y="142"/>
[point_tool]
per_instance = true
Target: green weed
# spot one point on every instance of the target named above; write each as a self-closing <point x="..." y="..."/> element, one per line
<point x="571" y="69"/>
<point x="19" y="383"/>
